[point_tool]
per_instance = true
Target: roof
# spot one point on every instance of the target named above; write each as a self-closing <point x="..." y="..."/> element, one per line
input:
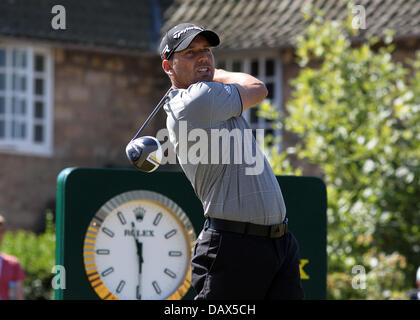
<point x="128" y="24"/>
<point x="136" y="25"/>
<point x="245" y="24"/>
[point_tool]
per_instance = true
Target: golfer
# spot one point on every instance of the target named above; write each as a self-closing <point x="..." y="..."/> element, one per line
<point x="244" y="250"/>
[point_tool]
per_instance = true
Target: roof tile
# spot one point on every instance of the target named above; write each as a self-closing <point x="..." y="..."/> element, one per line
<point x="241" y="24"/>
<point x="276" y="23"/>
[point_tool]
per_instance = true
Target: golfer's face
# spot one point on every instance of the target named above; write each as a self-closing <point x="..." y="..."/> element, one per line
<point x="194" y="64"/>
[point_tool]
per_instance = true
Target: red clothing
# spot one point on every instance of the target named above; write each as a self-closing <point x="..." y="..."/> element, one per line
<point x="10" y="270"/>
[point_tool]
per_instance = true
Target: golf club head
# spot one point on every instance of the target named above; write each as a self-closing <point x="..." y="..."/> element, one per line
<point x="145" y="153"/>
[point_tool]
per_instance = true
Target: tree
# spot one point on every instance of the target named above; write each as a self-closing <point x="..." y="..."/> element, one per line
<point x="357" y="114"/>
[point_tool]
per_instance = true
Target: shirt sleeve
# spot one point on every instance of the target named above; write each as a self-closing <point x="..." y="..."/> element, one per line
<point x="209" y="103"/>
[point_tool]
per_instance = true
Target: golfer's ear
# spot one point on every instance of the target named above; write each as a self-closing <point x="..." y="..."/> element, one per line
<point x="167" y="67"/>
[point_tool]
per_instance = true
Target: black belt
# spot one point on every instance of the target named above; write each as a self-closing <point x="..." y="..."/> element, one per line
<point x="273" y="231"/>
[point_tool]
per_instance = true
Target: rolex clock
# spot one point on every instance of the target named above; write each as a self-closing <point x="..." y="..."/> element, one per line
<point x="138" y="247"/>
<point x="126" y="234"/>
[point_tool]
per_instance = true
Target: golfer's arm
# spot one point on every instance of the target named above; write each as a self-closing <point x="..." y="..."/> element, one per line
<point x="251" y="90"/>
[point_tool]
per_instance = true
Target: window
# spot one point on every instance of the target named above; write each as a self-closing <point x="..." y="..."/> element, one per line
<point x="267" y="69"/>
<point x="25" y="100"/>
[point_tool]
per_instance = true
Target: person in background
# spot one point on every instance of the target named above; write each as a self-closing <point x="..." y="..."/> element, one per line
<point x="11" y="273"/>
<point x="415" y="293"/>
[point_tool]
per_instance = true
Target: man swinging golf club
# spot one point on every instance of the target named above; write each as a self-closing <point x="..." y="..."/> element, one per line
<point x="244" y="250"/>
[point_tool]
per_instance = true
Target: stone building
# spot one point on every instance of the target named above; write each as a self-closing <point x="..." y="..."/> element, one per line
<point x="74" y="97"/>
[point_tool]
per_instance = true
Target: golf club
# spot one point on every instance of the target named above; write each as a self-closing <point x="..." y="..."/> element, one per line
<point x="145" y="153"/>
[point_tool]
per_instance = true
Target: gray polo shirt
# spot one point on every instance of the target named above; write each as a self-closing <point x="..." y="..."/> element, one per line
<point x="220" y="157"/>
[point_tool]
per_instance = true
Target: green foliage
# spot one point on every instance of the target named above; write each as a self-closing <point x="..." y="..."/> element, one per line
<point x="36" y="254"/>
<point x="384" y="278"/>
<point x="280" y="161"/>
<point x="357" y="114"/>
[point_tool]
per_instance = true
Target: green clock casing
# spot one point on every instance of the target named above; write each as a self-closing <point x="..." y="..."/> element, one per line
<point x="138" y="246"/>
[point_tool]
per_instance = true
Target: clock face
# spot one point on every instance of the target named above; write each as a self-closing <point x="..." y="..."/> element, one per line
<point x="138" y="246"/>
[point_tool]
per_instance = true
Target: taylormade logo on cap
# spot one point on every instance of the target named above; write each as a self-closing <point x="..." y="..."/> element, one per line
<point x="165" y="50"/>
<point x="178" y="34"/>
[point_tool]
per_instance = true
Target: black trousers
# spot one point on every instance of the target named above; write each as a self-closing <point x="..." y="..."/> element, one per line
<point x="227" y="265"/>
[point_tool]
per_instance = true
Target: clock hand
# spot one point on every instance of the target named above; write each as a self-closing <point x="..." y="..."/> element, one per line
<point x="140" y="253"/>
<point x="139" y="246"/>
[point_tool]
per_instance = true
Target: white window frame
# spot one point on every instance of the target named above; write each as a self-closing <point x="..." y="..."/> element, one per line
<point x="277" y="79"/>
<point x="28" y="146"/>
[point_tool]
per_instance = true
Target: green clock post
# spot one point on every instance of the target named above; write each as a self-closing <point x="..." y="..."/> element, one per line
<point x="125" y="234"/>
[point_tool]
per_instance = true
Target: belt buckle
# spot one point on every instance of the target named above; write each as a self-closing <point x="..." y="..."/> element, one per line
<point x="279" y="230"/>
<point x="275" y="231"/>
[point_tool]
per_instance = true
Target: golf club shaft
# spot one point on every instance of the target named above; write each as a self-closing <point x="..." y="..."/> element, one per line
<point x="160" y="104"/>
